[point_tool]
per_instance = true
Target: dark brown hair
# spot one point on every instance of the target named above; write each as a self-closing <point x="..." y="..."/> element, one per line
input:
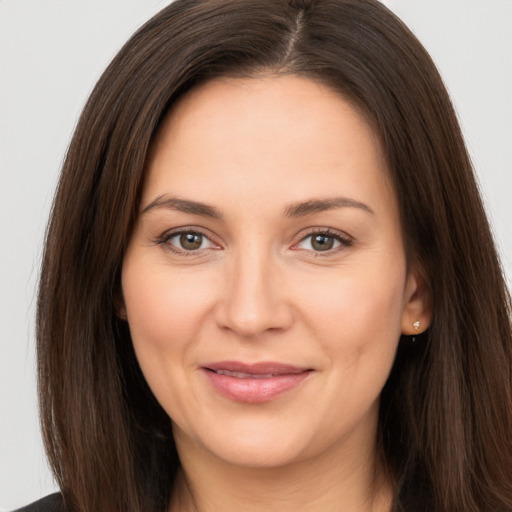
<point x="446" y="410"/>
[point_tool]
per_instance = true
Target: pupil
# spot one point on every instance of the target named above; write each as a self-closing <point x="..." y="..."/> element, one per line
<point x="322" y="242"/>
<point x="190" y="241"/>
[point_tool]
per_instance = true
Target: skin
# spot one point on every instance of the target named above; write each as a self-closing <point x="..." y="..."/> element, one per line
<point x="259" y="289"/>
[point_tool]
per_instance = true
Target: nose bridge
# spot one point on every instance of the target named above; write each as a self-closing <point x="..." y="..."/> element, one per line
<point x="252" y="302"/>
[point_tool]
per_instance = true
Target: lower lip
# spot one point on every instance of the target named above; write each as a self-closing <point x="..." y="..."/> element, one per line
<point x="254" y="390"/>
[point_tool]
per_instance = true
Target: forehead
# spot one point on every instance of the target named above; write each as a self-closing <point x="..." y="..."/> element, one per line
<point x="252" y="135"/>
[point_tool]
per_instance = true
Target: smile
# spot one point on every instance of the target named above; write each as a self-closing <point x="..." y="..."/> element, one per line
<point x="240" y="375"/>
<point x="253" y="383"/>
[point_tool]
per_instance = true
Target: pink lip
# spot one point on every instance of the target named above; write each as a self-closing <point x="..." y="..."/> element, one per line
<point x="253" y="383"/>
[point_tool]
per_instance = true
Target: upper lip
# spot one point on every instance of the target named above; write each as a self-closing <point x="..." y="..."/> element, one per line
<point x="260" y="368"/>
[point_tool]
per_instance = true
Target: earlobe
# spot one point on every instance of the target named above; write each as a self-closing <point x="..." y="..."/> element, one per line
<point x="121" y="313"/>
<point x="119" y="307"/>
<point x="417" y="312"/>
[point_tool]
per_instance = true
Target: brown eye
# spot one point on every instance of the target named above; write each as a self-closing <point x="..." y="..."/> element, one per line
<point x="187" y="241"/>
<point x="190" y="241"/>
<point x="322" y="242"/>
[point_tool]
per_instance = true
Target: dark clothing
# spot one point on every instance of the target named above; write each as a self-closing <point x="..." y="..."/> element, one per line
<point x="52" y="503"/>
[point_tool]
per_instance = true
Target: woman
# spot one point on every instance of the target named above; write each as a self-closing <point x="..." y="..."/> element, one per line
<point x="269" y="281"/>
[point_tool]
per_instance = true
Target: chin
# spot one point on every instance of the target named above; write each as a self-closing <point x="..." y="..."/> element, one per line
<point x="252" y="444"/>
<point x="258" y="455"/>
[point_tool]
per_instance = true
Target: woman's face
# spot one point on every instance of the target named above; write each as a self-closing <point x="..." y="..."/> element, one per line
<point x="265" y="283"/>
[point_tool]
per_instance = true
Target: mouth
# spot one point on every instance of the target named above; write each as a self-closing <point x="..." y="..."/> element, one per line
<point x="254" y="383"/>
<point x="241" y="375"/>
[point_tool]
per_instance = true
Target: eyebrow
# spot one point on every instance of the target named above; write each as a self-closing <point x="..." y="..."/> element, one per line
<point x="300" y="209"/>
<point x="183" y="205"/>
<point x="321" y="205"/>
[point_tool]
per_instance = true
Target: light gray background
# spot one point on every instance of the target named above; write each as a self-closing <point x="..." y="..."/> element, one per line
<point x="51" y="54"/>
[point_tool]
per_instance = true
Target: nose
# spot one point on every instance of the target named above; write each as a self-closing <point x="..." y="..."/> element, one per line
<point x="253" y="300"/>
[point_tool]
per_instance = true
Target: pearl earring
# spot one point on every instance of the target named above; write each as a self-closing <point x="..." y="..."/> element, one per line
<point x="416" y="326"/>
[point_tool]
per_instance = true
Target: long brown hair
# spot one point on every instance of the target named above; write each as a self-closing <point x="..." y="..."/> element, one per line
<point x="446" y="411"/>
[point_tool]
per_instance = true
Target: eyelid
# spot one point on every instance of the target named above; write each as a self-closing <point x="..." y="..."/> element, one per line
<point x="165" y="237"/>
<point x="343" y="238"/>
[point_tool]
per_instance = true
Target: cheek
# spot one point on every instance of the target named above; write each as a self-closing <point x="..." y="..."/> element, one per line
<point x="362" y="301"/>
<point x="356" y="317"/>
<point x="356" y="322"/>
<point x="163" y="307"/>
<point x="165" y="311"/>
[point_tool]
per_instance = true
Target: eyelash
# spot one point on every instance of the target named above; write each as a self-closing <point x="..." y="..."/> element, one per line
<point x="343" y="240"/>
<point x="164" y="240"/>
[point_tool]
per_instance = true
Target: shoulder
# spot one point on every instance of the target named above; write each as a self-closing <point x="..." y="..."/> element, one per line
<point x="52" y="503"/>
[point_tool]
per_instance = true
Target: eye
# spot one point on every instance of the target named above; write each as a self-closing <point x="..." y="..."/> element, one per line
<point x="187" y="241"/>
<point x="323" y="241"/>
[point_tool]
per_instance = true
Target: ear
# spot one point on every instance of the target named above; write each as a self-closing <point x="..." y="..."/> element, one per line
<point x="119" y="306"/>
<point x="417" y="312"/>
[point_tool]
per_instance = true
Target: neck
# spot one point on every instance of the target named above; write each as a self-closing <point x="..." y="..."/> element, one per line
<point x="328" y="482"/>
